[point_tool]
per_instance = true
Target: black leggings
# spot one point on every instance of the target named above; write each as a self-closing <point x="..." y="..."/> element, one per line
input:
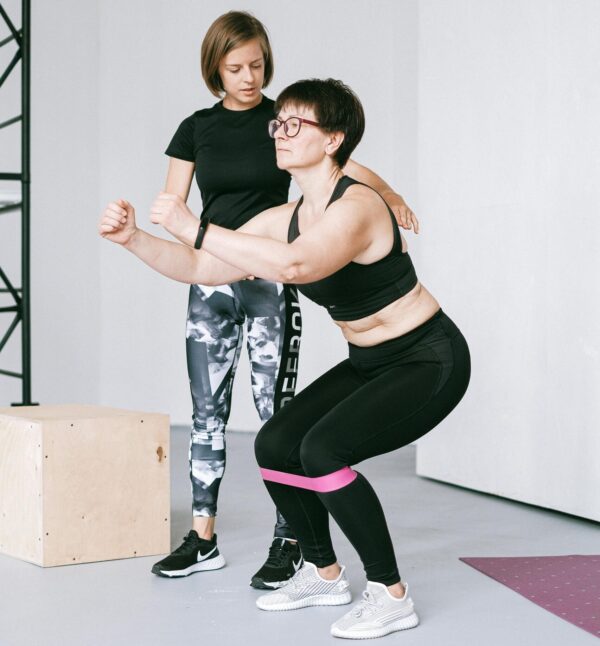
<point x="379" y="399"/>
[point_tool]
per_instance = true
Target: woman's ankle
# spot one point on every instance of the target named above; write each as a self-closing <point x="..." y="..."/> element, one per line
<point x="329" y="572"/>
<point x="397" y="590"/>
<point x="204" y="526"/>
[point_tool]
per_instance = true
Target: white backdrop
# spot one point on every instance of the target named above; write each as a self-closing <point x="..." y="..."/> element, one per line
<point x="509" y="163"/>
<point x="491" y="106"/>
<point x="65" y="165"/>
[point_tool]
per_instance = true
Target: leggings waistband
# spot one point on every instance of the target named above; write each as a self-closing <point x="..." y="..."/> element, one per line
<point x="403" y="342"/>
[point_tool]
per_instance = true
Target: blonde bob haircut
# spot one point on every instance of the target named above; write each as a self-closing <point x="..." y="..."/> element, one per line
<point x="227" y="32"/>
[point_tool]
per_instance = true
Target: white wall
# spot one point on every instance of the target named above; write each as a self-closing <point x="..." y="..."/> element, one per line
<point x="65" y="266"/>
<point x="111" y="82"/>
<point x="509" y="161"/>
<point x="508" y="152"/>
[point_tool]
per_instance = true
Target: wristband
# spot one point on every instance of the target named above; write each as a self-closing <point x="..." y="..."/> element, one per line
<point x="204" y="222"/>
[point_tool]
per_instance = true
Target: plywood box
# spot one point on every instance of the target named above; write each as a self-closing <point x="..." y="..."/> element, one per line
<point x="83" y="483"/>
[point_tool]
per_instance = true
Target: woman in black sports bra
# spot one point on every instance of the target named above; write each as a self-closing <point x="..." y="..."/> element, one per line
<point x="408" y="363"/>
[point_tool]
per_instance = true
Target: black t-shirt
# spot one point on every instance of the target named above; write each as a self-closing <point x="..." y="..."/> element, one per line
<point x="235" y="161"/>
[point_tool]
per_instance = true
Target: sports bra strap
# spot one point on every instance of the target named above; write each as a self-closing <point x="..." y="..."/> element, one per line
<point x="293" y="230"/>
<point x="340" y="188"/>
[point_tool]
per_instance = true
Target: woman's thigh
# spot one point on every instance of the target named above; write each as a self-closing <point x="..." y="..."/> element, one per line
<point x="386" y="413"/>
<point x="278" y="442"/>
<point x="213" y="343"/>
<point x="274" y="325"/>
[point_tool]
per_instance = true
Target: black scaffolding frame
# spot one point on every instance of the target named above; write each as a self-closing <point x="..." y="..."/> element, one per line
<point x="20" y="295"/>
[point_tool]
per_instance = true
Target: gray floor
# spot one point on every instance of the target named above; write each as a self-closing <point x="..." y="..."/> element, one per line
<point x="120" y="602"/>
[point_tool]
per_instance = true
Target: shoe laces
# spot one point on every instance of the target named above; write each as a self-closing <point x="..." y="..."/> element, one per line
<point x="277" y="552"/>
<point x="190" y="542"/>
<point x="299" y="579"/>
<point x="368" y="604"/>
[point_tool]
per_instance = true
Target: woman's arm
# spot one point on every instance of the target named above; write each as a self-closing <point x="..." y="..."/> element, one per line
<point x="171" y="259"/>
<point x="179" y="177"/>
<point x="404" y="216"/>
<point x="348" y="231"/>
<point x="171" y="212"/>
<point x="179" y="181"/>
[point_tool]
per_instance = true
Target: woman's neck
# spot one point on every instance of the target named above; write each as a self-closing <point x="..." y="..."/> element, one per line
<point x="317" y="185"/>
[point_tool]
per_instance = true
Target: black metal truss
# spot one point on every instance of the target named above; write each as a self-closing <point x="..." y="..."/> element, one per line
<point x="20" y="309"/>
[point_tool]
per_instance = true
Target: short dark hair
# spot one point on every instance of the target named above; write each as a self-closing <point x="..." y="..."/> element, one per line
<point x="336" y="107"/>
<point x="227" y="32"/>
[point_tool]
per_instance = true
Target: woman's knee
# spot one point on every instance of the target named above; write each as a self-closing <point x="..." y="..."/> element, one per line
<point x="317" y="459"/>
<point x="268" y="446"/>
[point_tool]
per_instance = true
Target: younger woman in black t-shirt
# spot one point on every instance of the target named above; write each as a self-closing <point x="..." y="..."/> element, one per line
<point x="228" y="149"/>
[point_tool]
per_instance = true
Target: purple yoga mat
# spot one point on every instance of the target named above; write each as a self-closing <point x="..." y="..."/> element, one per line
<point x="568" y="586"/>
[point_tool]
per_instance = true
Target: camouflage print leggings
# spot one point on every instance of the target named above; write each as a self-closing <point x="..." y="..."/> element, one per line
<point x="214" y="339"/>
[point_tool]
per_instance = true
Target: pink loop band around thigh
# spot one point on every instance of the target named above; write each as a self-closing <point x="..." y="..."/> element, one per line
<point x="322" y="484"/>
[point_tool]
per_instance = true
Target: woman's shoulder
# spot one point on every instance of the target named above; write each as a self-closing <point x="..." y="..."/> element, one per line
<point x="358" y="195"/>
<point x="360" y="205"/>
<point x="203" y="113"/>
<point x="196" y="123"/>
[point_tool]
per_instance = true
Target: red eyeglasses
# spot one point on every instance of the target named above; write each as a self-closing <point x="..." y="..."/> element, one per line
<point x="291" y="126"/>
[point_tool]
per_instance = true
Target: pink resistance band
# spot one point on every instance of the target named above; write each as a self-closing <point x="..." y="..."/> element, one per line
<point x="322" y="484"/>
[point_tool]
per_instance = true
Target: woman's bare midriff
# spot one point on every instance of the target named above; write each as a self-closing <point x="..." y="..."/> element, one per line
<point x="393" y="320"/>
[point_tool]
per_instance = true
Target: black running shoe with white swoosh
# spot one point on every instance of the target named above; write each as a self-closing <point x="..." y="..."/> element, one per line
<point x="195" y="554"/>
<point x="284" y="560"/>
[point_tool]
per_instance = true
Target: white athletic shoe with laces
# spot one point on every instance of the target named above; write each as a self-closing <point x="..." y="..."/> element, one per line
<point x="307" y="588"/>
<point x="378" y="614"/>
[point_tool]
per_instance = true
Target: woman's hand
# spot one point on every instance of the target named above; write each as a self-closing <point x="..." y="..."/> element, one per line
<point x="172" y="213"/>
<point x="404" y="216"/>
<point x="117" y="223"/>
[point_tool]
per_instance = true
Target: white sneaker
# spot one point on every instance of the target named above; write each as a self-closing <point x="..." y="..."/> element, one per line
<point x="378" y="614"/>
<point x="307" y="588"/>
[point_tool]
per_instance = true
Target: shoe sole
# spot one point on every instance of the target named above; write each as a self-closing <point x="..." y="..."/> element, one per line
<point x="202" y="566"/>
<point x="260" y="584"/>
<point x="316" y="600"/>
<point x="401" y="624"/>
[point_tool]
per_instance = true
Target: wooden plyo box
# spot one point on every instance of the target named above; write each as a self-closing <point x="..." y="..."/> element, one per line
<point x="83" y="483"/>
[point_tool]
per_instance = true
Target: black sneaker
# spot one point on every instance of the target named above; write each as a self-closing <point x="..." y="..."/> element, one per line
<point x="283" y="562"/>
<point x="195" y="554"/>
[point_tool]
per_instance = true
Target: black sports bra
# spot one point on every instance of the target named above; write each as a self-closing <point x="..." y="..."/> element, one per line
<point x="356" y="290"/>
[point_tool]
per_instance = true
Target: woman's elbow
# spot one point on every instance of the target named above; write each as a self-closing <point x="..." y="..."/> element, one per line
<point x="209" y="281"/>
<point x="291" y="273"/>
<point x="200" y="273"/>
<point x="198" y="277"/>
